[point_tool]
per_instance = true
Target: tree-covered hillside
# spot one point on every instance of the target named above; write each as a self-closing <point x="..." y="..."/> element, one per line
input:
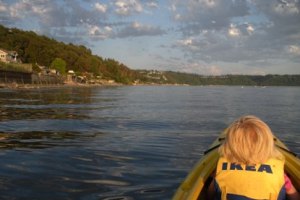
<point x="169" y="77"/>
<point x="41" y="50"/>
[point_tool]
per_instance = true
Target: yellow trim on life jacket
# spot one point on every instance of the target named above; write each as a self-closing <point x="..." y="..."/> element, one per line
<point x="261" y="181"/>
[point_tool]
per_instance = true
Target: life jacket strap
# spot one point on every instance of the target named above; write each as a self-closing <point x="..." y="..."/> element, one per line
<point x="273" y="196"/>
<point x="224" y="194"/>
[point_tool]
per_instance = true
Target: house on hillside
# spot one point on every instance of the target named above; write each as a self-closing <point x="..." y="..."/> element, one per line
<point x="8" y="56"/>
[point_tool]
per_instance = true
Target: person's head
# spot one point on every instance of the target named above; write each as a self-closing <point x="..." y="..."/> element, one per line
<point x="249" y="140"/>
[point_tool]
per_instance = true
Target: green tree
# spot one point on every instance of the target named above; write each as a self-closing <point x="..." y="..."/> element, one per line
<point x="59" y="64"/>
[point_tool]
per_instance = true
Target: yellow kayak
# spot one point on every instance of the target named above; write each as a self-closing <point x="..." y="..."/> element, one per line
<point x="195" y="185"/>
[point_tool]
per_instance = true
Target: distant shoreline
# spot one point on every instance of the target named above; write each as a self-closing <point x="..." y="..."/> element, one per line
<point x="37" y="86"/>
<point x="15" y="86"/>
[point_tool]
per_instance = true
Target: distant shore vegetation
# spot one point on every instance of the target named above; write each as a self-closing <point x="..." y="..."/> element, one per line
<point x="34" y="51"/>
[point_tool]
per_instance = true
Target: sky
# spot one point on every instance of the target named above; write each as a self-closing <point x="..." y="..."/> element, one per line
<point x="208" y="37"/>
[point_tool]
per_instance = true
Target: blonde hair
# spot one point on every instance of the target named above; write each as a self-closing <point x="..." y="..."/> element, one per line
<point x="249" y="140"/>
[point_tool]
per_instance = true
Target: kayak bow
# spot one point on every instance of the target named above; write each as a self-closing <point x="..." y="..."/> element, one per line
<point x="195" y="184"/>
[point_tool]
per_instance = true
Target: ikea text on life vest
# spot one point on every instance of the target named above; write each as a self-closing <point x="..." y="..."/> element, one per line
<point x="257" y="168"/>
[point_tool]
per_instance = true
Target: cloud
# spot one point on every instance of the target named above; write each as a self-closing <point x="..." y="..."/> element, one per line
<point x="259" y="32"/>
<point x="294" y="50"/>
<point x="238" y="30"/>
<point x="282" y="27"/>
<point x="232" y="46"/>
<point x="25" y="8"/>
<point x="189" y="44"/>
<point x="200" y="33"/>
<point x="196" y="16"/>
<point x="101" y="7"/>
<point x="186" y="42"/>
<point x="152" y="4"/>
<point x="284" y="7"/>
<point x="233" y="31"/>
<point x="4" y="14"/>
<point x="54" y="16"/>
<point x="250" y="29"/>
<point x="128" y="7"/>
<point x="100" y="33"/>
<point x="66" y="35"/>
<point x="283" y="16"/>
<point x="136" y="29"/>
<point x="2" y="7"/>
<point x="59" y="19"/>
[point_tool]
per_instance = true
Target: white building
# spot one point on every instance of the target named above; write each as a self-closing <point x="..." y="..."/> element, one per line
<point x="8" y="56"/>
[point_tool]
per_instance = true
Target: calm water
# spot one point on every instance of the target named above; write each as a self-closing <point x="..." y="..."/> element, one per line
<point x="120" y="143"/>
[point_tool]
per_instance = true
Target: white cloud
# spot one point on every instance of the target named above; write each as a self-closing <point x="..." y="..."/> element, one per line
<point x="93" y="30"/>
<point x="249" y="32"/>
<point x="100" y="33"/>
<point x="250" y="29"/>
<point x="195" y="16"/>
<point x="233" y="31"/>
<point x="136" y="29"/>
<point x="186" y="42"/>
<point x="173" y="8"/>
<point x="152" y="4"/>
<point x="128" y="7"/>
<point x="190" y="45"/>
<point x="287" y="7"/>
<point x="137" y="25"/>
<point x="177" y="17"/>
<point x="209" y="3"/>
<point x="39" y="10"/>
<point x="294" y="49"/>
<point x="101" y="7"/>
<point x="23" y="8"/>
<point x="16" y="9"/>
<point x="2" y="7"/>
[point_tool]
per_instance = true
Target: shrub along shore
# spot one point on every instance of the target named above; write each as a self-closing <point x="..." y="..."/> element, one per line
<point x="33" y="54"/>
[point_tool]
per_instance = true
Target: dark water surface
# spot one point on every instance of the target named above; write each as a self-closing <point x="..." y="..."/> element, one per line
<point x="119" y="143"/>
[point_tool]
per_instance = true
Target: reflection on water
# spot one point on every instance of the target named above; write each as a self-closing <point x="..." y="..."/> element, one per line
<point x="44" y="104"/>
<point x="123" y="143"/>
<point x="39" y="139"/>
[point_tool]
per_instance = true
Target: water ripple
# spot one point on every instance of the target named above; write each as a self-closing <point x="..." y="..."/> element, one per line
<point x="123" y="143"/>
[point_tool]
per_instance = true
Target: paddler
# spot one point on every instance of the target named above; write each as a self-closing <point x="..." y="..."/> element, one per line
<point x="250" y="166"/>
